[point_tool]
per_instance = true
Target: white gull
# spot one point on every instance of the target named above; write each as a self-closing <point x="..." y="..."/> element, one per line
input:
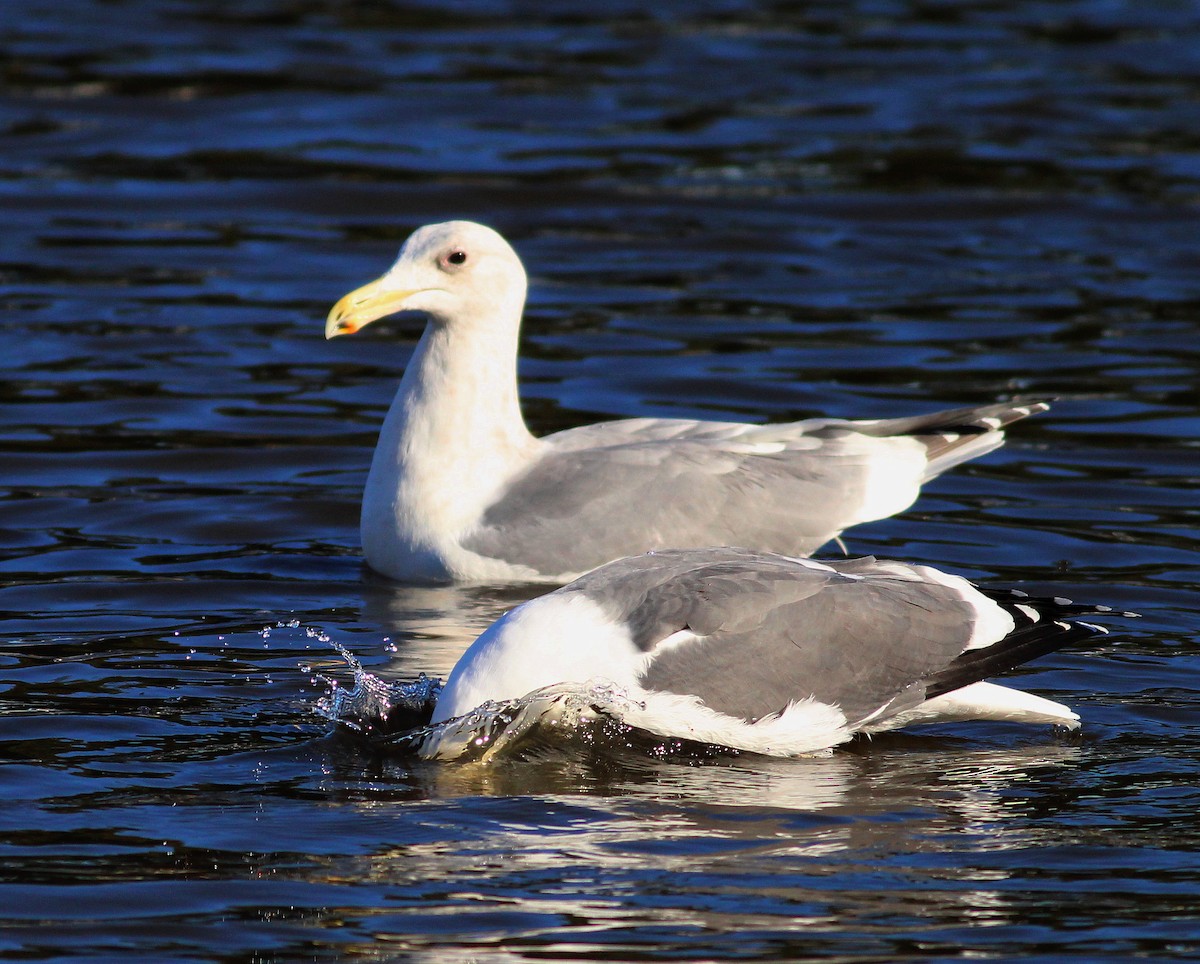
<point x="771" y="654"/>
<point x="460" y="490"/>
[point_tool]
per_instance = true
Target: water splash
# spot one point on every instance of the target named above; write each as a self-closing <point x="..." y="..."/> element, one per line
<point x="374" y="707"/>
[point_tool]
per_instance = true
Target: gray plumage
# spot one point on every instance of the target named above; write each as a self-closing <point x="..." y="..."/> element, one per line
<point x="603" y="491"/>
<point x="745" y="637"/>
<point x="859" y="635"/>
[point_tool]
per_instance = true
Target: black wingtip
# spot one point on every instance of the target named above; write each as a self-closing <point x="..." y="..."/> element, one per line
<point x="1041" y="626"/>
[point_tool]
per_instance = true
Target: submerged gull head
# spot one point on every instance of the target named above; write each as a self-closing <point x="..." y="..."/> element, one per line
<point x="393" y="718"/>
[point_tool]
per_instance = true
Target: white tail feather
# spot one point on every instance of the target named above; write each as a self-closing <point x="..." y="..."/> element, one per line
<point x="983" y="701"/>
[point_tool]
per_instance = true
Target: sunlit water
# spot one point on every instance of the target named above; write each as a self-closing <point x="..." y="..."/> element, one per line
<point x="728" y="209"/>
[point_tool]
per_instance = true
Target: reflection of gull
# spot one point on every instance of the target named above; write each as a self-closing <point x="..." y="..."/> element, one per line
<point x="562" y="854"/>
<point x="432" y="625"/>
<point x="459" y="488"/>
<point x="812" y="783"/>
<point x="767" y="653"/>
<point x="875" y="809"/>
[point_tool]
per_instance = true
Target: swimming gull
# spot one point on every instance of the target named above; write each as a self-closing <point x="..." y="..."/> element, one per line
<point x="459" y="489"/>
<point x="771" y="654"/>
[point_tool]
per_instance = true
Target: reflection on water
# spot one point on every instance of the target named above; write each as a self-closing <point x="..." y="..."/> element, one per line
<point x="749" y="210"/>
<point x="766" y="848"/>
<point x="433" y="625"/>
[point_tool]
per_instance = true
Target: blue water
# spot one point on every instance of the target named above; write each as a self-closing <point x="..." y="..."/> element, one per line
<point x="729" y="209"/>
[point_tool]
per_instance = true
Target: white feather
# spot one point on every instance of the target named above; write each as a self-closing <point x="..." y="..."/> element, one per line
<point x="983" y="701"/>
<point x="557" y="638"/>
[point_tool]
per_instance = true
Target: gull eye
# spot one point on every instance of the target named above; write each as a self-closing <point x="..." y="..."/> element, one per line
<point x="455" y="258"/>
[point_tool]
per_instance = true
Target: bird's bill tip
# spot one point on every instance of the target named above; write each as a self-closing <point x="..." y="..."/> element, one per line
<point x="336" y="325"/>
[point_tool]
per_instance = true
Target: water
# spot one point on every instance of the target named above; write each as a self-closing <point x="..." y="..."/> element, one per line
<point x="730" y="209"/>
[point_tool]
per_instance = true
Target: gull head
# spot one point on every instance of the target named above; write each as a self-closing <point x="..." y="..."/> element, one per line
<point x="457" y="273"/>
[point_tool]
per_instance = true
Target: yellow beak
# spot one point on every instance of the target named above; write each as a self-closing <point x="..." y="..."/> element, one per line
<point x="363" y="306"/>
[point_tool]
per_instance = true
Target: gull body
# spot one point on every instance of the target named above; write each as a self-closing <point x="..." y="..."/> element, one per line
<point x="771" y="654"/>
<point x="460" y="490"/>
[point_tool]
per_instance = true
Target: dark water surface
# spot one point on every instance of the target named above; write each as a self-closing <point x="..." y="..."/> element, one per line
<point x="730" y="209"/>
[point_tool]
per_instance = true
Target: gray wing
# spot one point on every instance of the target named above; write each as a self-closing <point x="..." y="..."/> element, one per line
<point x="577" y="508"/>
<point x="771" y="630"/>
<point x="616" y="488"/>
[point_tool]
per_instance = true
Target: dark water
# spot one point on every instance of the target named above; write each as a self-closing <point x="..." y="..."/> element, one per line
<point x="729" y="209"/>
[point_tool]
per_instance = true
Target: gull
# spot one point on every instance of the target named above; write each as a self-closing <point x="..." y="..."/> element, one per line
<point x="772" y="654"/>
<point x="460" y="490"/>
